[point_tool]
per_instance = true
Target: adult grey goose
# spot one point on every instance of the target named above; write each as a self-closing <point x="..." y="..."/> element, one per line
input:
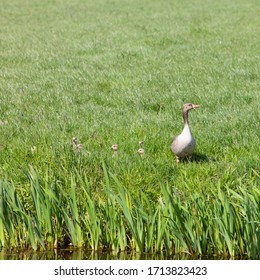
<point x="183" y="145"/>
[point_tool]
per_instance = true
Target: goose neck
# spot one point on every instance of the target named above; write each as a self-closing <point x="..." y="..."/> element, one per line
<point x="185" y="117"/>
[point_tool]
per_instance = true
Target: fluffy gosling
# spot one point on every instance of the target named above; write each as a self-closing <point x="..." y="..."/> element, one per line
<point x="76" y="145"/>
<point x="114" y="148"/>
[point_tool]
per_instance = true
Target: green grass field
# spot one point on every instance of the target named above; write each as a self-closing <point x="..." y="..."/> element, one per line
<point x="119" y="72"/>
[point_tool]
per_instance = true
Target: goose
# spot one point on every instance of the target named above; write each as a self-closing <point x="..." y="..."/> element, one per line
<point x="141" y="149"/>
<point x="114" y="149"/>
<point x="183" y="144"/>
<point x="76" y="145"/>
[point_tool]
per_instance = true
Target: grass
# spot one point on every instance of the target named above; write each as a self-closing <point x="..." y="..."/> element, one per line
<point x="119" y="72"/>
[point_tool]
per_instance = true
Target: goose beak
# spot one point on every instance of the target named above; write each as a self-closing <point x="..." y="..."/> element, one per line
<point x="195" y="106"/>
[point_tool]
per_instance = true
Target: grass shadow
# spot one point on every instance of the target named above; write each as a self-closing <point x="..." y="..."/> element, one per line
<point x="198" y="157"/>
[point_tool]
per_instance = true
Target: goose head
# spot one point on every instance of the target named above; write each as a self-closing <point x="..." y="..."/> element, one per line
<point x="186" y="108"/>
<point x="140" y="151"/>
<point x="75" y="140"/>
<point x="189" y="106"/>
<point x="114" y="147"/>
<point x="141" y="143"/>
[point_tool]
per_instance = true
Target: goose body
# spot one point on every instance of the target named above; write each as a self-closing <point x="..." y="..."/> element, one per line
<point x="183" y="145"/>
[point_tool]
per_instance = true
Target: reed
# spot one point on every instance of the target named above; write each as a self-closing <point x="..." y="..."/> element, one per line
<point x="216" y="223"/>
<point x="224" y="223"/>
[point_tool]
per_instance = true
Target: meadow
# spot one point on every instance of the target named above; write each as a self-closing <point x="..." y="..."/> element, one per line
<point x="120" y="71"/>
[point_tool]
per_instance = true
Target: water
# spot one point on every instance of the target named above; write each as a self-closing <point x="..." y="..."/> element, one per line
<point x="81" y="254"/>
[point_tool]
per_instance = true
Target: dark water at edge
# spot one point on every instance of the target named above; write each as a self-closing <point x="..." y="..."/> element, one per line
<point x="79" y="254"/>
